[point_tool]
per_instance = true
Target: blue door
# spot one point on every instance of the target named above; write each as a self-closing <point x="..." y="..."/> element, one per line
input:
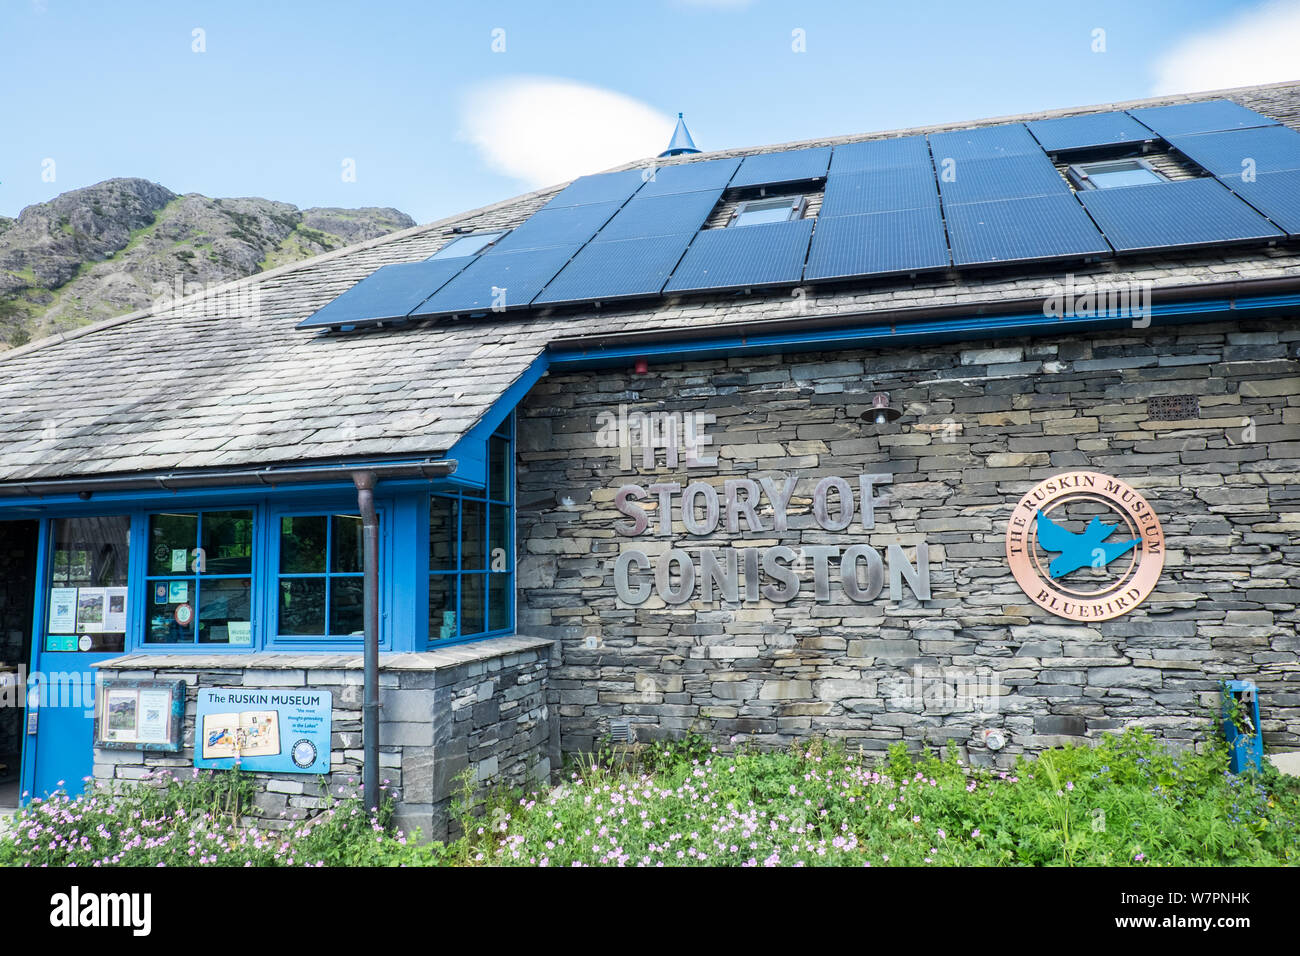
<point x="61" y="711"/>
<point x="81" y="619"/>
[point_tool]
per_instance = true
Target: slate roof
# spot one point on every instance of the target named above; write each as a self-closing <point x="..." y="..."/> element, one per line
<point x="226" y="381"/>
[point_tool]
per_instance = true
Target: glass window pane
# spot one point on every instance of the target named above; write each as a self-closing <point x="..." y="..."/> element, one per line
<point x="466" y="245"/>
<point x="442" y="607"/>
<point x="500" y="539"/>
<point x="500" y="596"/>
<point x="471" y="604"/>
<point x="346" y="553"/>
<point x="473" y="531"/>
<point x="499" y="469"/>
<point x="163" y="629"/>
<point x="771" y="210"/>
<point x="756" y="217"/>
<point x="91" y="552"/>
<point x="171" y="539"/>
<point x="228" y="542"/>
<point x="223" y="601"/>
<point x="1108" y="175"/>
<point x="302" y="606"/>
<point x="443" y="522"/>
<point x="302" y="547"/>
<point x="347" y="607"/>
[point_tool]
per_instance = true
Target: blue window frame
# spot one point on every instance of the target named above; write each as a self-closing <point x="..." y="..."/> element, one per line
<point x="199" y="579"/>
<point x="472" y="551"/>
<point x="319" y="579"/>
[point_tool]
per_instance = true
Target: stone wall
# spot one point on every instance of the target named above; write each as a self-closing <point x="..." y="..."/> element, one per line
<point x="480" y="705"/>
<point x="984" y="422"/>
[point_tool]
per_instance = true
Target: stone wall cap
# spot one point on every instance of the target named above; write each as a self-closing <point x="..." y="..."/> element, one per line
<point x="439" y="659"/>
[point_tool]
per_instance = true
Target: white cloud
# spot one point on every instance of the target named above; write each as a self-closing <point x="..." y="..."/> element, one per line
<point x="545" y="131"/>
<point x="1259" y="46"/>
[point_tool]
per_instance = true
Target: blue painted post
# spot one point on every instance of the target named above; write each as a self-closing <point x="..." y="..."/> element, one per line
<point x="1246" y="742"/>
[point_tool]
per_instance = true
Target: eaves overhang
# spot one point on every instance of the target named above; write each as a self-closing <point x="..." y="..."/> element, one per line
<point x="86" y="488"/>
<point x="1039" y="315"/>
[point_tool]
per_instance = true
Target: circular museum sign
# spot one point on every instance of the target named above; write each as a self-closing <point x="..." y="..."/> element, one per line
<point x="1085" y="546"/>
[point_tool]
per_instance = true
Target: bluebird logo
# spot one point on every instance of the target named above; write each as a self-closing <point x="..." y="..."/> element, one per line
<point x="1079" y="550"/>
<point x="1044" y="549"/>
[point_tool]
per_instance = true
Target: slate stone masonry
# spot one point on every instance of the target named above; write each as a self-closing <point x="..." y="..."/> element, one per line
<point x="983" y="423"/>
<point x="479" y="706"/>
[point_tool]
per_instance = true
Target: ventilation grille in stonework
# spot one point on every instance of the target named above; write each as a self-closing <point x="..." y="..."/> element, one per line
<point x="621" y="730"/>
<point x="1173" y="408"/>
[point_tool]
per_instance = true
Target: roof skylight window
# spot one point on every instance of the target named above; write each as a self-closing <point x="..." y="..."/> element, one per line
<point x="758" y="211"/>
<point x="467" y="245"/>
<point x="1118" y="172"/>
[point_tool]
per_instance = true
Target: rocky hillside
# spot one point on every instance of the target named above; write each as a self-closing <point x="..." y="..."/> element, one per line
<point x="121" y="244"/>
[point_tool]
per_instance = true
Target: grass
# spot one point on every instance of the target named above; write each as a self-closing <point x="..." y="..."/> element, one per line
<point x="1127" y="801"/>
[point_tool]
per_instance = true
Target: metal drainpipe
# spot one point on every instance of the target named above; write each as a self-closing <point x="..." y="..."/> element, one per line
<point x="365" y="482"/>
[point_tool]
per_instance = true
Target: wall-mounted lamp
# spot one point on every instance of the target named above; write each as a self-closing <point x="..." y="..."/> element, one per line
<point x="881" y="412"/>
<point x="641" y="367"/>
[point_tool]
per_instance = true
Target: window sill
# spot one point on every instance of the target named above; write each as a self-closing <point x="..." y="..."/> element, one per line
<point x="454" y="656"/>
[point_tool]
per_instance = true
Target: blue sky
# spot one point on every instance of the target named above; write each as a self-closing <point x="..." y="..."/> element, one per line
<point x="436" y="121"/>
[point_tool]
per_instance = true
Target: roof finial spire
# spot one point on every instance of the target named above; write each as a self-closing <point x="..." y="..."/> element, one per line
<point x="681" y="141"/>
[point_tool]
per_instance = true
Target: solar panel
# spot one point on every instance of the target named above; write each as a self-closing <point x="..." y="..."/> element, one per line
<point x="882" y="190"/>
<point x="661" y="216"/>
<point x="1266" y="149"/>
<point x="789" y="166"/>
<point x="1186" y="212"/>
<point x="985" y="142"/>
<point x="1082" y="132"/>
<point x="1011" y="230"/>
<point x="1011" y="177"/>
<point x="909" y="240"/>
<point x="712" y="174"/>
<point x="562" y="226"/>
<point x="614" y="270"/>
<point x="1207" y="117"/>
<point x="1276" y="195"/>
<point x="880" y="154"/>
<point x="508" y="280"/>
<point x="744" y="257"/>
<point x="390" y="292"/>
<point x="603" y="187"/>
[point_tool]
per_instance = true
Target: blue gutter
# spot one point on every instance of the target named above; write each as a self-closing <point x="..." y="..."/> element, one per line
<point x="686" y="347"/>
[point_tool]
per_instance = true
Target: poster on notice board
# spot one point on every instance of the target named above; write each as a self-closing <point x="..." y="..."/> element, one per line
<point x="279" y="730"/>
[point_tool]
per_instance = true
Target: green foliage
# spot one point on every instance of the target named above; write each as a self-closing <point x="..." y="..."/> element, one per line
<point x="198" y="819"/>
<point x="1236" y="713"/>
<point x="1128" y="800"/>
